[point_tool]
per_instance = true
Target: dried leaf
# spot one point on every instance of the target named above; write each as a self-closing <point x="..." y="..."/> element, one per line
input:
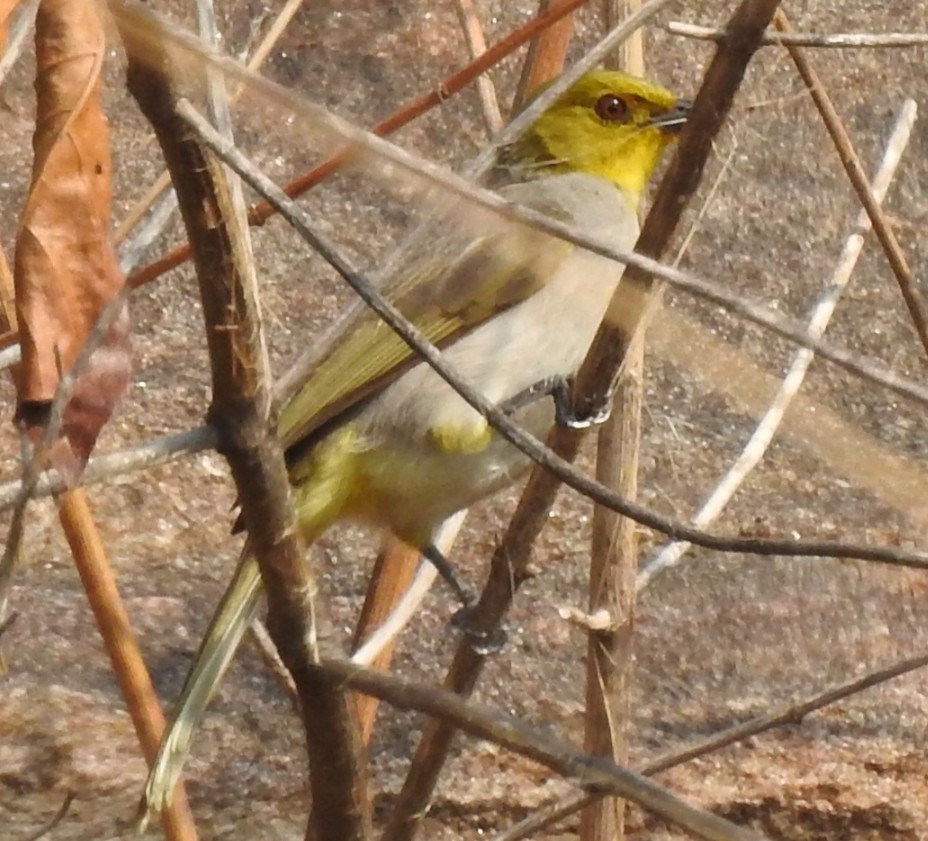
<point x="65" y="268"/>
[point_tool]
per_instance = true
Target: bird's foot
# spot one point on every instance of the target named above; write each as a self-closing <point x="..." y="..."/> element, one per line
<point x="565" y="413"/>
<point x="484" y="643"/>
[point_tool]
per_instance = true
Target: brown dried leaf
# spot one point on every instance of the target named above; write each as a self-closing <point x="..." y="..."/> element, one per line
<point x="65" y="268"/>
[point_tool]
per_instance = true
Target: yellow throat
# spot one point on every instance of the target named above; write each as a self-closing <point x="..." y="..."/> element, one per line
<point x="608" y="124"/>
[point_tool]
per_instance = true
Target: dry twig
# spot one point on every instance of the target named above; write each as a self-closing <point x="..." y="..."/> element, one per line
<point x="476" y="47"/>
<point x="594" y="384"/>
<point x="911" y="294"/>
<point x="590" y="772"/>
<point x="614" y="546"/>
<point x="807" y="39"/>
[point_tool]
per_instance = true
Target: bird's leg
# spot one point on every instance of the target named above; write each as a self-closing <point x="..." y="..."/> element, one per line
<point x="560" y="390"/>
<point x="435" y="557"/>
<point x="481" y="642"/>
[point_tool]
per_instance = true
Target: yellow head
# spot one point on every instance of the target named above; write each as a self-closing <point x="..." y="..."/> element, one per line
<point x="609" y="124"/>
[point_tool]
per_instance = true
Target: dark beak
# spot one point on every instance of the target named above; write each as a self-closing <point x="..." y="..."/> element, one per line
<point x="672" y="121"/>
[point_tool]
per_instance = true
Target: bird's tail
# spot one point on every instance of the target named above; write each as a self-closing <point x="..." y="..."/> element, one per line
<point x="223" y="637"/>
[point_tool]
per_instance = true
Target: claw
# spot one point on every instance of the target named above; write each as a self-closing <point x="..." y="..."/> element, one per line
<point x="484" y="643"/>
<point x="566" y="415"/>
<point x="559" y="389"/>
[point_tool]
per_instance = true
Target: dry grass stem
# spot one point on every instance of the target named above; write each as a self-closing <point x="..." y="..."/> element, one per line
<point x="911" y="294"/>
<point x="846" y="40"/>
<point x="476" y="47"/>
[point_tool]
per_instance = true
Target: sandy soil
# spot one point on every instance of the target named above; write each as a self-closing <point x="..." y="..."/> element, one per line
<point x="720" y="639"/>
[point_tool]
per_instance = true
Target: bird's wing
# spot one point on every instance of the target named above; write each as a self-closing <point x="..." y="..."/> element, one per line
<point x="452" y="285"/>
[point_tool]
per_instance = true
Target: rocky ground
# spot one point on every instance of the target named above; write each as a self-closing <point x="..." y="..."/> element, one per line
<point x="719" y="639"/>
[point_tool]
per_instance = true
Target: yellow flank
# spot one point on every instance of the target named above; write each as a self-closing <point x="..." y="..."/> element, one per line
<point x="465" y="439"/>
<point x="326" y="481"/>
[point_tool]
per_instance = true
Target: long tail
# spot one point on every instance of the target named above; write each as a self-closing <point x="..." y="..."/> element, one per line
<point x="223" y="637"/>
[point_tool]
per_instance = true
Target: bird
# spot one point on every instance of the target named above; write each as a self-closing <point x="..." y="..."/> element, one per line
<point x="376" y="435"/>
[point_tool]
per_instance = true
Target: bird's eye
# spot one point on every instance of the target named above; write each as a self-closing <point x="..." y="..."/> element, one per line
<point x="611" y="108"/>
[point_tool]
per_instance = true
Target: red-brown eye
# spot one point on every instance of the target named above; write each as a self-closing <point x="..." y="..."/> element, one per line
<point x="611" y="108"/>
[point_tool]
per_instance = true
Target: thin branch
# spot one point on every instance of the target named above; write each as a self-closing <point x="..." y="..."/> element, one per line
<point x="476" y="47"/>
<point x="121" y="646"/>
<point x="671" y="554"/>
<point x="600" y="371"/>
<point x="484" y="722"/>
<point x="787" y="714"/>
<point x="496" y="417"/>
<point x="614" y="552"/>
<point x="793" y="713"/>
<point x="399" y="580"/>
<point x="218" y="100"/>
<point x="509" y="565"/>
<point x="34" y="464"/>
<point x="134" y="246"/>
<point x="140" y="457"/>
<point x="908" y="286"/>
<point x="545" y="57"/>
<point x="772" y="38"/>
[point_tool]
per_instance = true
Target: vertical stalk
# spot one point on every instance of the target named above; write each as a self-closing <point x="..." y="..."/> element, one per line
<point x="614" y="555"/>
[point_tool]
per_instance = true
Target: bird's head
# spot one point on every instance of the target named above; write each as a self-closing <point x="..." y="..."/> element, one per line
<point x="608" y="124"/>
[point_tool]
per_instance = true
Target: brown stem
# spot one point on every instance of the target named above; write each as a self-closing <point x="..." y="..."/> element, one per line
<point x="239" y="412"/>
<point x="121" y="646"/>
<point x="911" y="294"/>
<point x="544" y="61"/>
<point x="393" y="572"/>
<point x="546" y="54"/>
<point x="614" y="545"/>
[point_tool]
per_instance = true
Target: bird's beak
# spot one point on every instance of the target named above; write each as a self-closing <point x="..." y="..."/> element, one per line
<point x="672" y="121"/>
